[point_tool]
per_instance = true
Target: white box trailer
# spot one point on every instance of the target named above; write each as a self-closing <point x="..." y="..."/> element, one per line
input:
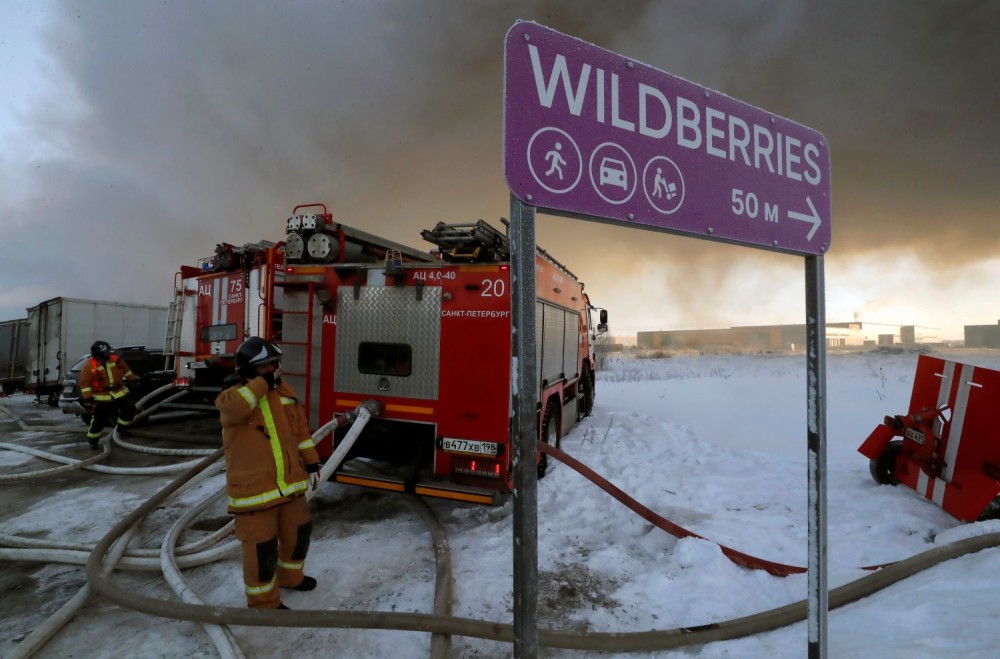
<point x="61" y="330"/>
<point x="13" y="354"/>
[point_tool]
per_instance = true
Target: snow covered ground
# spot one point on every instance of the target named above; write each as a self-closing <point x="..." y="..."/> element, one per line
<point x="715" y="443"/>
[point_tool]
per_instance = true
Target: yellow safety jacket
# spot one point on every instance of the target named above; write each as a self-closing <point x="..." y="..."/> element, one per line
<point x="267" y="442"/>
<point x="105" y="381"/>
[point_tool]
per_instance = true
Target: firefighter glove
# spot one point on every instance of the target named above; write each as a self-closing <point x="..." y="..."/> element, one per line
<point x="314" y="478"/>
<point x="88" y="405"/>
<point x="269" y="378"/>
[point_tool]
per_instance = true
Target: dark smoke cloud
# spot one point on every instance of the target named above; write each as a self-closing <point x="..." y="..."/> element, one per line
<point x="181" y="124"/>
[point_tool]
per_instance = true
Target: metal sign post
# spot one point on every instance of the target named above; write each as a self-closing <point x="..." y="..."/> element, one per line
<point x="593" y="135"/>
<point x="525" y="429"/>
<point x="816" y="439"/>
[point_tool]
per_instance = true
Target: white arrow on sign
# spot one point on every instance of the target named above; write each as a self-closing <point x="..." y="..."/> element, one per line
<point x="813" y="217"/>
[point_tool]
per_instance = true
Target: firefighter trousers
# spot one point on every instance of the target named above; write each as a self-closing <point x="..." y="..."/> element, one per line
<point x="275" y="543"/>
<point x="119" y="412"/>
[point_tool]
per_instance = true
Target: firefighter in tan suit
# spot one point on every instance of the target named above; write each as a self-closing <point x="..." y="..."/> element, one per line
<point x="271" y="461"/>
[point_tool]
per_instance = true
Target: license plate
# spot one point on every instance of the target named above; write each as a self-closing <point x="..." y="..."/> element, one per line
<point x="915" y="435"/>
<point x="469" y="446"/>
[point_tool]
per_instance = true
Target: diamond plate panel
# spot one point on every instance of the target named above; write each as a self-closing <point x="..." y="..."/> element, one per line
<point x="389" y="315"/>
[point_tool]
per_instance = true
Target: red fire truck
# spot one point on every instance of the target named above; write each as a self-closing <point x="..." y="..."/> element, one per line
<point x="426" y="334"/>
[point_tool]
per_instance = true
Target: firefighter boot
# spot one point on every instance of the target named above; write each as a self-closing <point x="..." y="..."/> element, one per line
<point x="308" y="583"/>
<point x="96" y="426"/>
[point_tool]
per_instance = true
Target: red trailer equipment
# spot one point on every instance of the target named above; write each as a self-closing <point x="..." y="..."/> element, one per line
<point x="946" y="447"/>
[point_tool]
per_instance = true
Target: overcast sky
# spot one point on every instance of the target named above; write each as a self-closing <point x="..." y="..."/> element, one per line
<point x="134" y="136"/>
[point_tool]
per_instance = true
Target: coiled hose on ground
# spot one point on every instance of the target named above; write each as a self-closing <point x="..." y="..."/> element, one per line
<point x="224" y="641"/>
<point x="445" y="625"/>
<point x="451" y="625"/>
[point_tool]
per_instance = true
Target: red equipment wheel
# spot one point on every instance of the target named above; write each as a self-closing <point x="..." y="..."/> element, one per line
<point x="881" y="468"/>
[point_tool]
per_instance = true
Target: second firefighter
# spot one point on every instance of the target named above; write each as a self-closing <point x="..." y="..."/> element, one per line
<point x="104" y="391"/>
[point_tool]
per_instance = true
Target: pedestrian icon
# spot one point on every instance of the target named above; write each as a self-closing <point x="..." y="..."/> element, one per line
<point x="556" y="161"/>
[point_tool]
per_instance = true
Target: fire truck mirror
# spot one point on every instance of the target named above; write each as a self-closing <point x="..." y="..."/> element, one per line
<point x="602" y="327"/>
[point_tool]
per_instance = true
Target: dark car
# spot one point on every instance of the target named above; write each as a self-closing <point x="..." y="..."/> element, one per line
<point x="146" y="364"/>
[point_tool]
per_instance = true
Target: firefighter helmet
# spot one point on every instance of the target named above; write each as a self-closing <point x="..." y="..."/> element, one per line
<point x="254" y="352"/>
<point x="101" y="350"/>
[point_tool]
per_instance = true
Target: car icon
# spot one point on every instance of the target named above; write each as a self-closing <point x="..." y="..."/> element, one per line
<point x="613" y="173"/>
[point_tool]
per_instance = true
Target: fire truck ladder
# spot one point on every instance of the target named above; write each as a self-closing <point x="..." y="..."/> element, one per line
<point x="175" y="318"/>
<point x="477" y="242"/>
<point x="297" y="334"/>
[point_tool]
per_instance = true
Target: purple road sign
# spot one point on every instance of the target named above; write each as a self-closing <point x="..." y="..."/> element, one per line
<point x="590" y="132"/>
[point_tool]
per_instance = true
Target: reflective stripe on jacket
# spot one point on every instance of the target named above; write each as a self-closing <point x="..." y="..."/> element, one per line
<point x="105" y="381"/>
<point x="267" y="444"/>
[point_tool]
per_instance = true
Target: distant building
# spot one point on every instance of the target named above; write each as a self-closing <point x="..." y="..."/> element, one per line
<point x="982" y="336"/>
<point x="627" y="341"/>
<point x="881" y="334"/>
<point x="786" y="337"/>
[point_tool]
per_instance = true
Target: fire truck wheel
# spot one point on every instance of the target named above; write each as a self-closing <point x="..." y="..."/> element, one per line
<point x="586" y="393"/>
<point x="881" y="468"/>
<point x="550" y="424"/>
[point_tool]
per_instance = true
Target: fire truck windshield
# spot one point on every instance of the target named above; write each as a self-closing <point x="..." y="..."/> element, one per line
<point x="218" y="333"/>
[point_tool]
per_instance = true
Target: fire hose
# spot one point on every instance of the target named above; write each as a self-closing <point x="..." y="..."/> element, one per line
<point x="451" y="625"/>
<point x="71" y="464"/>
<point x="496" y="631"/>
<point x="75" y="553"/>
<point x="45" y="427"/>
<point x="41" y="634"/>
<point x="169" y="564"/>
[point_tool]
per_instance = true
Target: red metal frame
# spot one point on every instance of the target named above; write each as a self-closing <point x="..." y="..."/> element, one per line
<point x="949" y="452"/>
